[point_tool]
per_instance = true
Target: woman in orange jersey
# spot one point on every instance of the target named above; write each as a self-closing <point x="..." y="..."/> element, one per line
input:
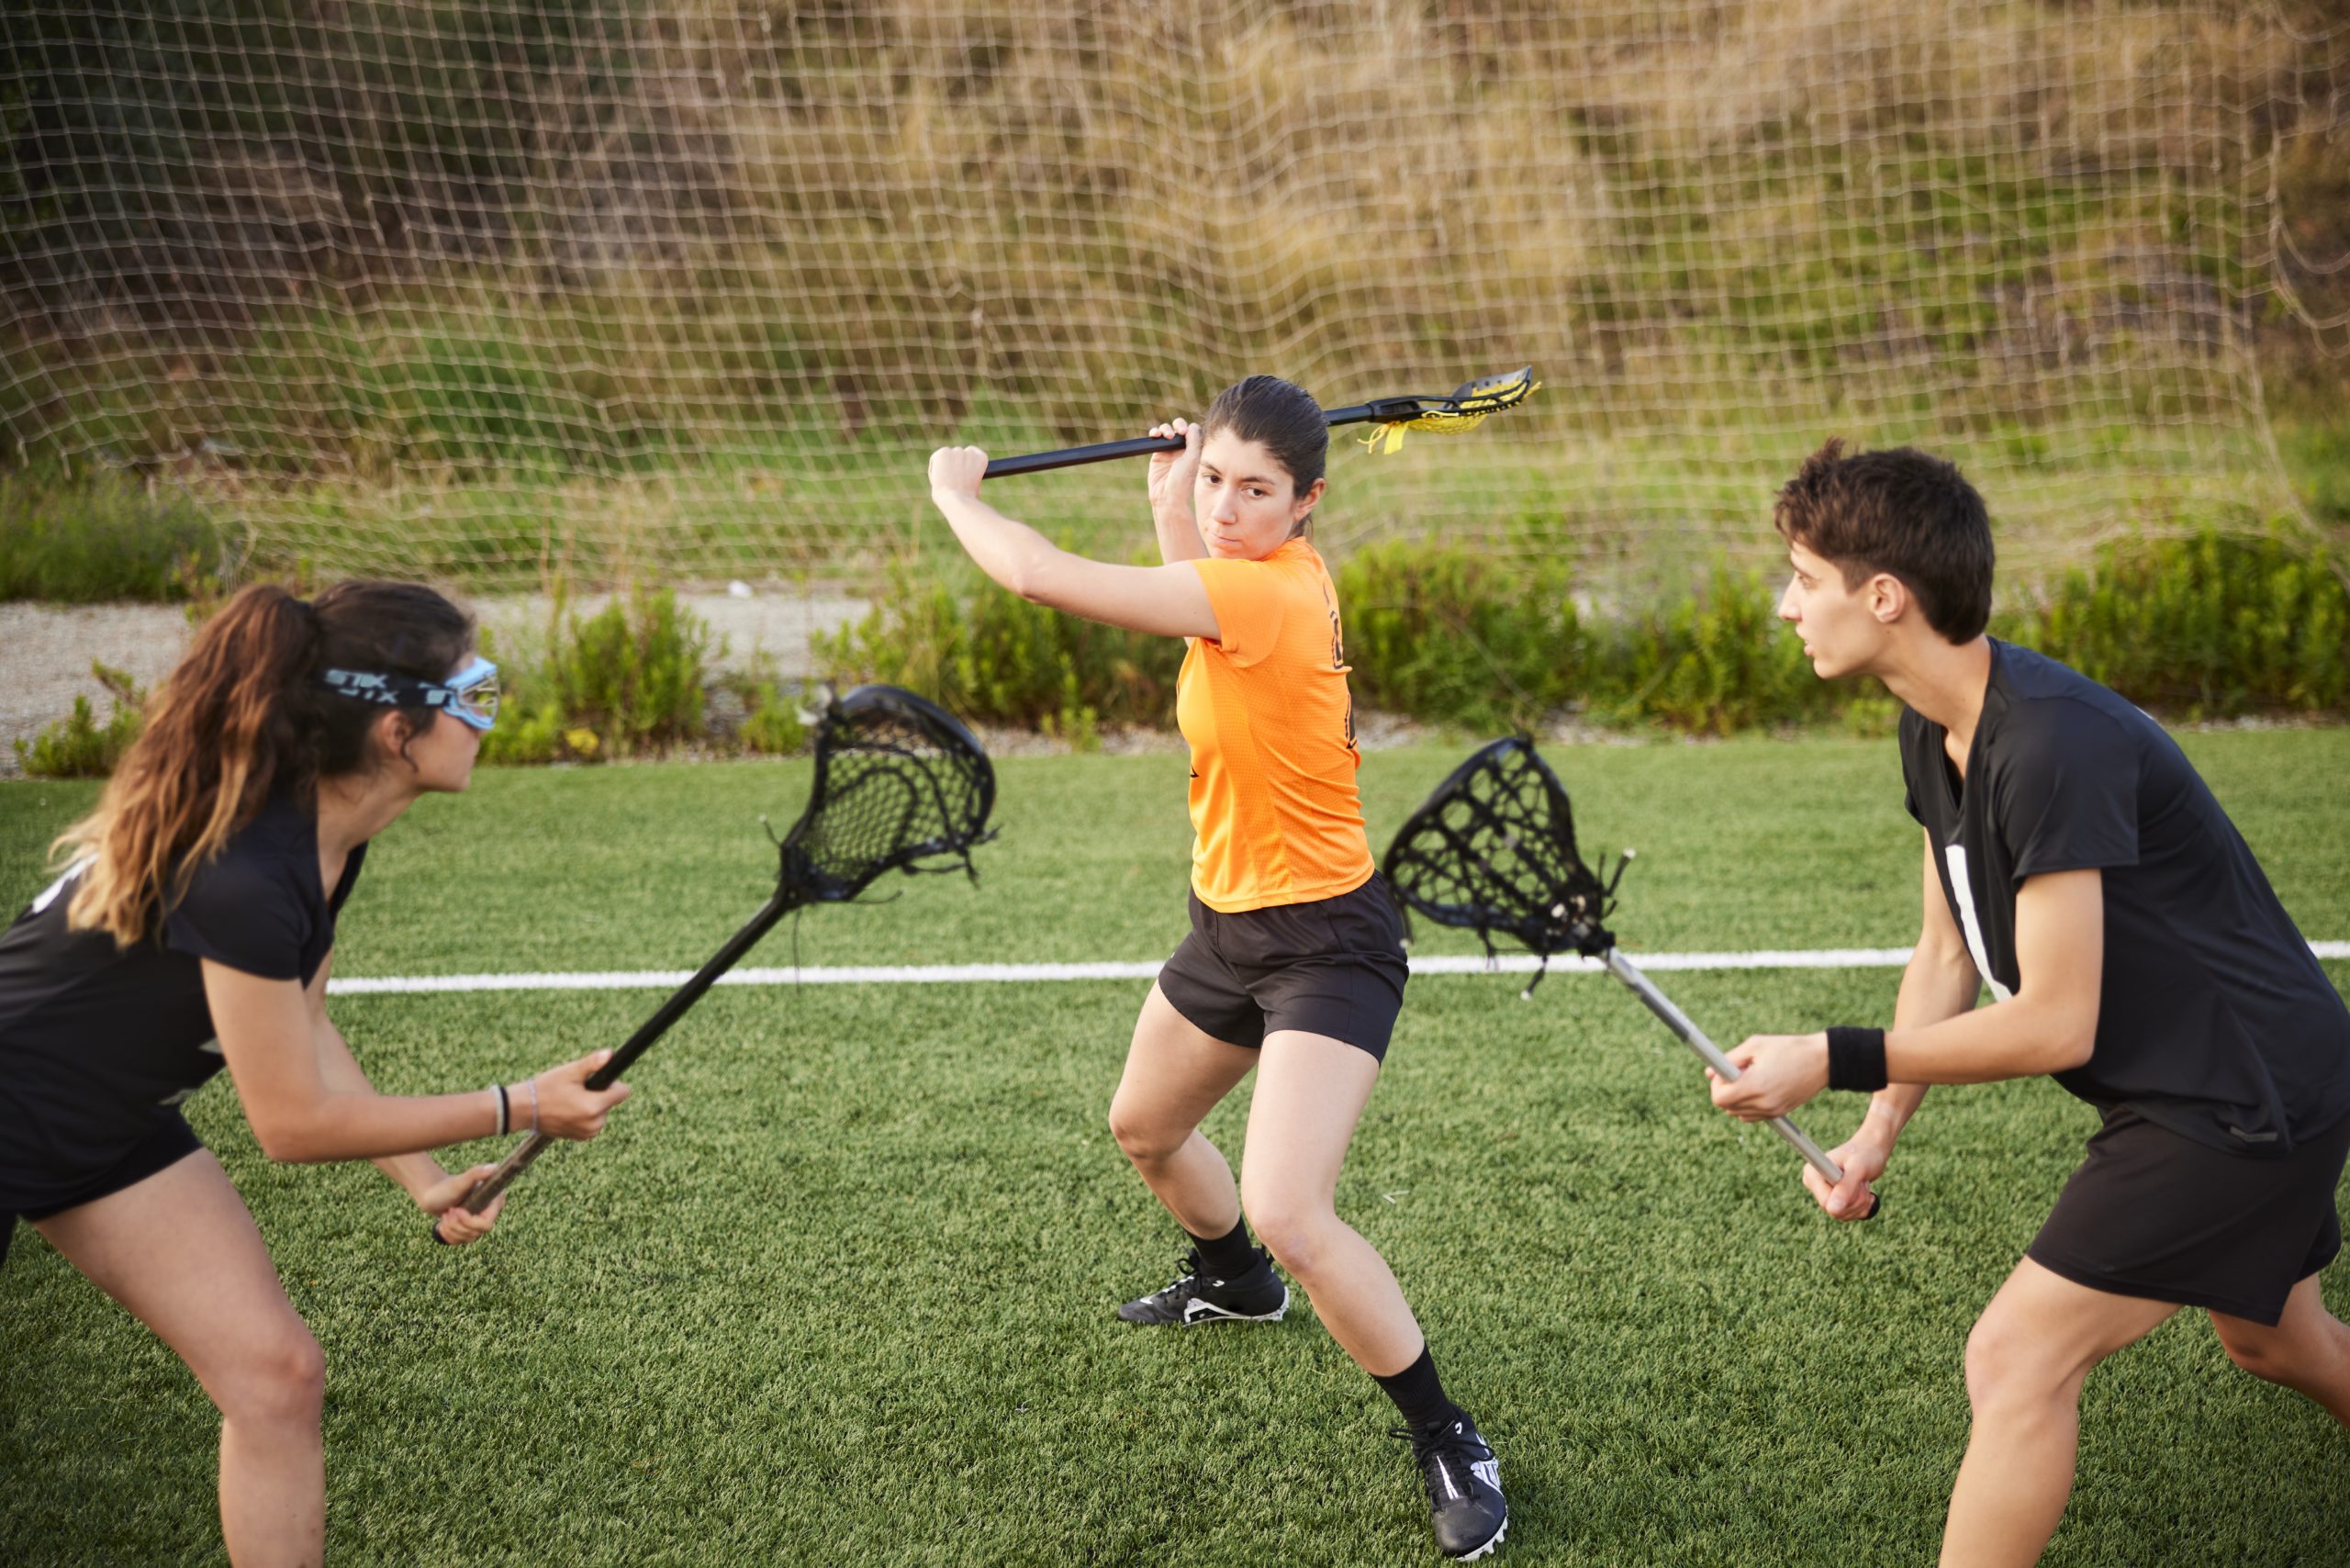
<point x="1294" y="965"/>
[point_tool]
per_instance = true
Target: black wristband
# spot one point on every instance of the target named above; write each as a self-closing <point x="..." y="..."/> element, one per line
<point x="505" y="1109"/>
<point x="1856" y="1058"/>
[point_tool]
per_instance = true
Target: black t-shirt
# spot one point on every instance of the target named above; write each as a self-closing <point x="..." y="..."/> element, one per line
<point x="2214" y="1019"/>
<point x="97" y="1043"/>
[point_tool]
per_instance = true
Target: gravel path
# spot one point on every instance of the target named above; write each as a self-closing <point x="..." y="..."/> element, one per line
<point x="46" y="651"/>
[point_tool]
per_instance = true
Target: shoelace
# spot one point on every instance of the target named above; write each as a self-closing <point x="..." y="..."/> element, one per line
<point x="1188" y="1281"/>
<point x="1455" y="1452"/>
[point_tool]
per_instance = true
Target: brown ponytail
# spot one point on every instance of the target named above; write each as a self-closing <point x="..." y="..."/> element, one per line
<point x="241" y="719"/>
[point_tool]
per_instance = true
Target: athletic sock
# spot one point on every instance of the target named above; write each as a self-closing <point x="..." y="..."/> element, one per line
<point x="1418" y="1395"/>
<point x="1225" y="1256"/>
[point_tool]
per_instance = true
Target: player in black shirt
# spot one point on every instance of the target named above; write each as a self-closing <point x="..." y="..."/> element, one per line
<point x="196" y="928"/>
<point x="2076" y="866"/>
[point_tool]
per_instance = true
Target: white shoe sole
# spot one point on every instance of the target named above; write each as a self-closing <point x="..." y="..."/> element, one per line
<point x="1218" y="1315"/>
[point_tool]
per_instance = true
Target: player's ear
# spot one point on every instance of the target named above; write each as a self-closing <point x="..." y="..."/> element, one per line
<point x="1888" y="598"/>
<point x="1303" y="507"/>
<point x="390" y="733"/>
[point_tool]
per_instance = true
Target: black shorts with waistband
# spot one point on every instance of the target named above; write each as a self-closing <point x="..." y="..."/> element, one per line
<point x="2154" y="1213"/>
<point x="1332" y="967"/>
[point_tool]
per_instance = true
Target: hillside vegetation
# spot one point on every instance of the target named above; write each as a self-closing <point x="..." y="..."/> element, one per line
<point x="689" y="288"/>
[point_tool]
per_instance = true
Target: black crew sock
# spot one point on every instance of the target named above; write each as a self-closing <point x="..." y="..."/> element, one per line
<point x="1225" y="1256"/>
<point x="1418" y="1395"/>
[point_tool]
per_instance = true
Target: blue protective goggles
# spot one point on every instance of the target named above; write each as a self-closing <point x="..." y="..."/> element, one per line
<point x="471" y="694"/>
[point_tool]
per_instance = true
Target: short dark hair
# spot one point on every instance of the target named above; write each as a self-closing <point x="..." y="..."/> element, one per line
<point x="1901" y="511"/>
<point x="1280" y="416"/>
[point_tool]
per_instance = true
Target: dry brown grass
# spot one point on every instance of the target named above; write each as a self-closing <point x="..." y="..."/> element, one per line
<point x="2029" y="233"/>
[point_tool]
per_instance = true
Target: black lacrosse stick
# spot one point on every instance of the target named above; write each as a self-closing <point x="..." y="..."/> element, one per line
<point x="901" y="786"/>
<point x="1493" y="849"/>
<point x="1462" y="409"/>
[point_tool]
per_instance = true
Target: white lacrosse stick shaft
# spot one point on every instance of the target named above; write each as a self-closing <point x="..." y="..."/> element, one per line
<point x="1694" y="1037"/>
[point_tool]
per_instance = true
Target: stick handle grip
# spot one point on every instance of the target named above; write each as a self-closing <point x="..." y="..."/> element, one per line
<point x="1071" y="457"/>
<point x="1695" y="1039"/>
<point x="518" y="1159"/>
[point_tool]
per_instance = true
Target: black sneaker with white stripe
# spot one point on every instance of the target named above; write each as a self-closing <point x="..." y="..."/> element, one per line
<point x="1464" y="1483"/>
<point x="1257" y="1296"/>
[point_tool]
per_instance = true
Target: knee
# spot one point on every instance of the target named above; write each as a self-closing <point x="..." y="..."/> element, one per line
<point x="2001" y="1366"/>
<point x="2258" y="1354"/>
<point x="1145" y="1140"/>
<point x="1295" y="1231"/>
<point x="282" y="1380"/>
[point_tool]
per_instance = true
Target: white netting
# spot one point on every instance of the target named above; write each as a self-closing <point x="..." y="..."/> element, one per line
<point x="689" y="289"/>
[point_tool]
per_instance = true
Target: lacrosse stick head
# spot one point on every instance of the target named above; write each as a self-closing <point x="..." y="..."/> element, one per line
<point x="1492" y="850"/>
<point x="901" y="786"/>
<point x="1465" y="410"/>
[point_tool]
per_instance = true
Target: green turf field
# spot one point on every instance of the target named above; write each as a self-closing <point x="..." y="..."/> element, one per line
<point x="836" y="1287"/>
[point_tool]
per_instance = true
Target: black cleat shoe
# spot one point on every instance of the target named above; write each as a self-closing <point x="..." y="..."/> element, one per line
<point x="1257" y="1296"/>
<point x="1464" y="1483"/>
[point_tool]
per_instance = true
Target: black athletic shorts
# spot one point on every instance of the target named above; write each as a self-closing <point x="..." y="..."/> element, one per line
<point x="2154" y="1213"/>
<point x="1333" y="967"/>
<point x="172" y="1141"/>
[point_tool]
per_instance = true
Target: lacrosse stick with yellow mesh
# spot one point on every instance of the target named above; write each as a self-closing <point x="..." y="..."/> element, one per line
<point x="1463" y="409"/>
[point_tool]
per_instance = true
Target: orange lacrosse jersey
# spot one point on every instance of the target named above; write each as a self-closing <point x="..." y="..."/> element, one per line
<point x="1272" y="735"/>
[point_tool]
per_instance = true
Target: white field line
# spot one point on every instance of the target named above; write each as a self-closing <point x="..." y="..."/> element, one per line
<point x="970" y="974"/>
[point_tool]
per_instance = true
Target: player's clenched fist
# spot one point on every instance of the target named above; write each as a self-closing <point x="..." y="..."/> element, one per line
<point x="566" y="1108"/>
<point x="1862" y="1160"/>
<point x="1171" y="473"/>
<point x="1777" y="1073"/>
<point x="457" y="1225"/>
<point x="958" y="470"/>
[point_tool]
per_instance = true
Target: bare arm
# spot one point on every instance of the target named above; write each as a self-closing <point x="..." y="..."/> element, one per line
<point x="1938" y="983"/>
<point x="2048" y="1025"/>
<point x="309" y="1103"/>
<point x="1170" y="479"/>
<point x="341" y="1073"/>
<point x="1168" y="601"/>
<point x="304" y="1110"/>
<point x="420" y="1176"/>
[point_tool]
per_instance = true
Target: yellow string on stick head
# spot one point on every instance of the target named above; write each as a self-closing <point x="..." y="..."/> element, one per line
<point x="1465" y="410"/>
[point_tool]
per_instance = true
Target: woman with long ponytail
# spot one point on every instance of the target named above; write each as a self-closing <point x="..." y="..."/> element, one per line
<point x="194" y="928"/>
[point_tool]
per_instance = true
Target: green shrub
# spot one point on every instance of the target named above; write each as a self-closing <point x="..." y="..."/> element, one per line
<point x="627" y="680"/>
<point x="1434" y="631"/>
<point x="1715" y="662"/>
<point x="2215" y="625"/>
<point x="526" y="732"/>
<point x="993" y="656"/>
<point x="78" y="746"/>
<point x="1439" y="632"/>
<point x="771" y="724"/>
<point x="1444" y="634"/>
<point x="633" y="672"/>
<point x="2212" y="626"/>
<point x="84" y="538"/>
